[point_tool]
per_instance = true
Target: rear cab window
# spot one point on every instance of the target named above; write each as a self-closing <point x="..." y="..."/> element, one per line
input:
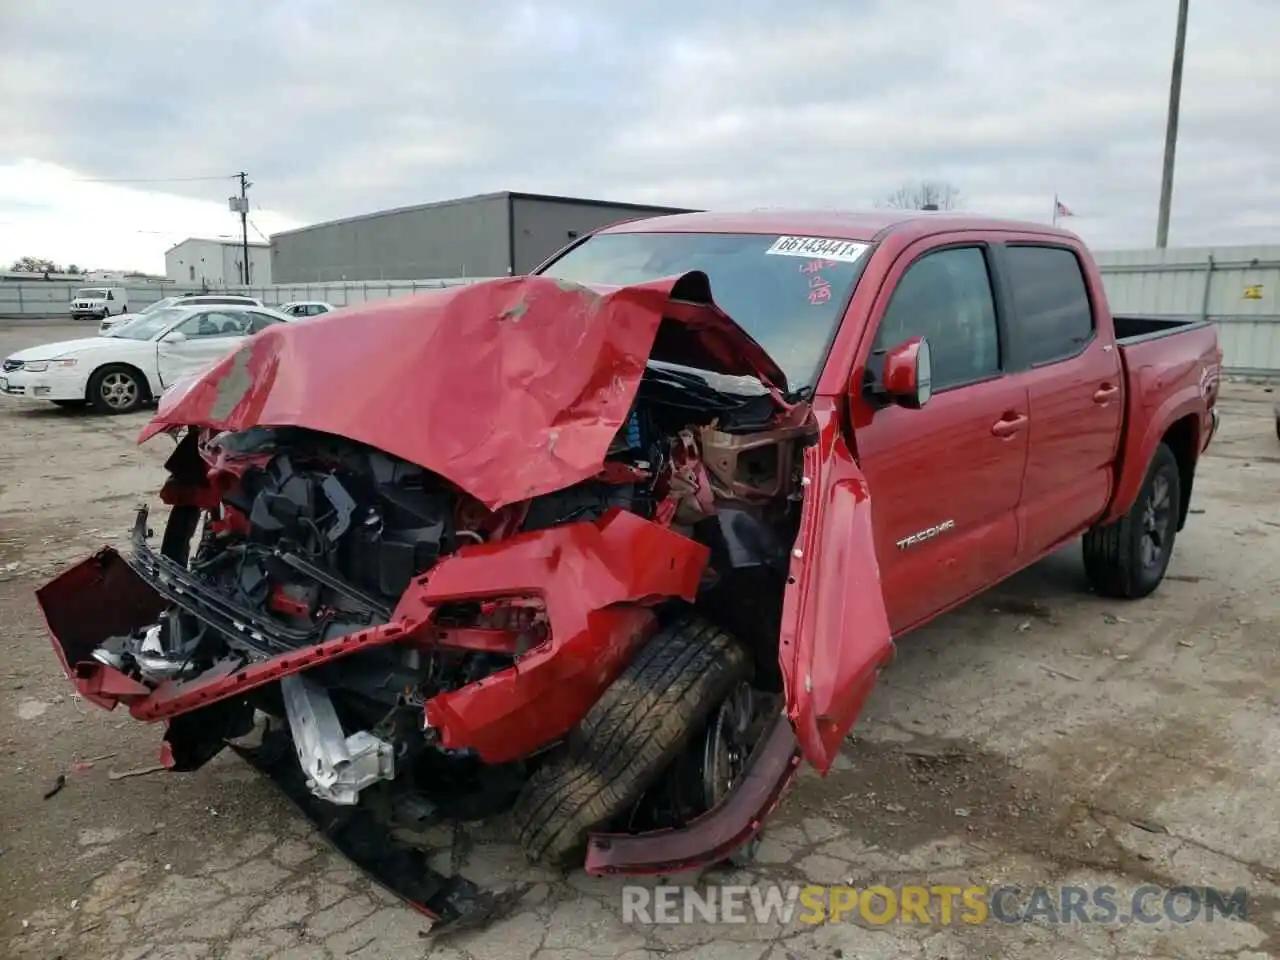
<point x="1050" y="300"/>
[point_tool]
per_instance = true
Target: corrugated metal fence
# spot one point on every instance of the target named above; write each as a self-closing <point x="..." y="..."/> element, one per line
<point x="1238" y="288"/>
<point x="38" y="298"/>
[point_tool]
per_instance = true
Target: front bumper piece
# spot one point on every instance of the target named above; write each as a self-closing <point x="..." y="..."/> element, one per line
<point x="106" y="595"/>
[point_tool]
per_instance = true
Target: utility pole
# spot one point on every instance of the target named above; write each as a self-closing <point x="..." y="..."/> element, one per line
<point x="240" y="205"/>
<point x="244" y="222"/>
<point x="1171" y="128"/>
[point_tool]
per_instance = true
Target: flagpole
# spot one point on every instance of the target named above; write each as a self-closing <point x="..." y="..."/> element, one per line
<point x="1055" y="209"/>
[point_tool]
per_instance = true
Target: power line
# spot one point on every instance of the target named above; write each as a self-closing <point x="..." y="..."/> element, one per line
<point x="232" y="176"/>
<point x="259" y="232"/>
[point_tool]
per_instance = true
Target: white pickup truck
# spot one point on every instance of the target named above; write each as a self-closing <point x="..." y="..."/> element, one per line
<point x="95" y="303"/>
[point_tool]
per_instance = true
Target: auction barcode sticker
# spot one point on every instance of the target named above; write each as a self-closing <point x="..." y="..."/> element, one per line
<point x="847" y="251"/>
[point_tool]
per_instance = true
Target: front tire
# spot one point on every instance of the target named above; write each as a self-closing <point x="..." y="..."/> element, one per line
<point x="1128" y="558"/>
<point x="116" y="388"/>
<point x="630" y="736"/>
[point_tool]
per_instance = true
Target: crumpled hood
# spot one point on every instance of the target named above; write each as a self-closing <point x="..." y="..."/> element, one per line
<point x="508" y="388"/>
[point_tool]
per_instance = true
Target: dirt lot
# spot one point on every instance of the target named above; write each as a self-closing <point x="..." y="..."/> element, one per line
<point x="1040" y="736"/>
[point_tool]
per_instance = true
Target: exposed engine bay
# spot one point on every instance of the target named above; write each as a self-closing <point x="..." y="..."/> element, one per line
<point x="301" y="538"/>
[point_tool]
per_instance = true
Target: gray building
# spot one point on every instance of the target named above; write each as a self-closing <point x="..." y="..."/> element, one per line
<point x="491" y="235"/>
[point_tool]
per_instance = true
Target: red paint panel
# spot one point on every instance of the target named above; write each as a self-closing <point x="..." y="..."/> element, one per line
<point x="508" y="388"/>
<point x="592" y="578"/>
<point x="835" y="632"/>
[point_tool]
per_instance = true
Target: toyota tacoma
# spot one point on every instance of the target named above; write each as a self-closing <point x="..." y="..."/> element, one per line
<point x="616" y="546"/>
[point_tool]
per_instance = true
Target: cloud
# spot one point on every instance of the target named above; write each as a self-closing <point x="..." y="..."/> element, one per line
<point x="48" y="211"/>
<point x="337" y="109"/>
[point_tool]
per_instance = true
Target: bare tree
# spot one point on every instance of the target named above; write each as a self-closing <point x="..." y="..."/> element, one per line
<point x="923" y="195"/>
<point x="34" y="265"/>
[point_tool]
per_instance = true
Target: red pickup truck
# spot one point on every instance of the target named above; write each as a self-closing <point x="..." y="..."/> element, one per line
<point x="618" y="544"/>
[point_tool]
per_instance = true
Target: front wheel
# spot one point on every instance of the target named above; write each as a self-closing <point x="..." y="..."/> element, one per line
<point x="1128" y="558"/>
<point x="635" y="731"/>
<point x="116" y="389"/>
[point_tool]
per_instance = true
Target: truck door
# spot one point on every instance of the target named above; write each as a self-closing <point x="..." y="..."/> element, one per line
<point x="945" y="480"/>
<point x="1074" y="393"/>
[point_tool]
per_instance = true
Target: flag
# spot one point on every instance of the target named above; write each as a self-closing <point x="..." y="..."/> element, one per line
<point x="1062" y="210"/>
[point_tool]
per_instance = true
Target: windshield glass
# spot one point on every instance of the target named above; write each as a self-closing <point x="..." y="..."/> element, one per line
<point x="91" y="293"/>
<point x="158" y="305"/>
<point x="787" y="292"/>
<point x="147" y="326"/>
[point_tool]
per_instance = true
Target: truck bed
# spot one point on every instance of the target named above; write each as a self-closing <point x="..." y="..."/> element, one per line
<point x="1133" y="328"/>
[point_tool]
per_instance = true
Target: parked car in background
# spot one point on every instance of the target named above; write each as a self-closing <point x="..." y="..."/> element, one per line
<point x="136" y="361"/>
<point x="307" y="308"/>
<point x="99" y="302"/>
<point x="183" y="300"/>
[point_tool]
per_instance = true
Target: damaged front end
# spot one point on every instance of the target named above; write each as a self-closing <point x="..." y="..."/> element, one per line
<point x="426" y="607"/>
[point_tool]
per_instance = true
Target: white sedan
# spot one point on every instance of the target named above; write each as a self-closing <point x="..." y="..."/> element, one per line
<point x="135" y="362"/>
<point x="182" y="300"/>
<point x="306" y="308"/>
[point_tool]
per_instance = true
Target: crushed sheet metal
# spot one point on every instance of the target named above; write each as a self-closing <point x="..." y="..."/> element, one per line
<point x="509" y="388"/>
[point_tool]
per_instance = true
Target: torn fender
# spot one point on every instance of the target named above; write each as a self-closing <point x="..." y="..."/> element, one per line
<point x="508" y="388"/>
<point x="595" y="580"/>
<point x="835" y="632"/>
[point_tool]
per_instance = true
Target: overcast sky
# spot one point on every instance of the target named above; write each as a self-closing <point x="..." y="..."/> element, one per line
<point x="339" y="108"/>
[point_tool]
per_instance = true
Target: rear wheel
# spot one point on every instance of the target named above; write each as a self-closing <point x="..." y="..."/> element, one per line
<point x="116" y="389"/>
<point x="1128" y="558"/>
<point x="635" y="731"/>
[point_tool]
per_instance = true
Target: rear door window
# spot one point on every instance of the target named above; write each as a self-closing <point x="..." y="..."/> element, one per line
<point x="261" y="321"/>
<point x="1050" y="300"/>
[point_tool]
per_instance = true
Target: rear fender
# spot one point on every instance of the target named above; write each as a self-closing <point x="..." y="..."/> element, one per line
<point x="835" y="634"/>
<point x="1138" y="450"/>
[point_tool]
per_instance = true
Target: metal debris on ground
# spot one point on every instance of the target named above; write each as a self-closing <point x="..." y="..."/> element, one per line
<point x="1060" y="673"/>
<point x="1150" y="826"/>
<point x="136" y="772"/>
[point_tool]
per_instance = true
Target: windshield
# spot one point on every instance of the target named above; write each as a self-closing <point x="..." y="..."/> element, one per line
<point x="91" y="293"/>
<point x="146" y="326"/>
<point x="158" y="305"/>
<point x="787" y="292"/>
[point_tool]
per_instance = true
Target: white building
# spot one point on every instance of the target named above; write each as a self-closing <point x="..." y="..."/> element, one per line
<point x="216" y="263"/>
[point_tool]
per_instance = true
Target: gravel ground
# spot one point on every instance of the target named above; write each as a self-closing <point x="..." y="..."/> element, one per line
<point x="1039" y="736"/>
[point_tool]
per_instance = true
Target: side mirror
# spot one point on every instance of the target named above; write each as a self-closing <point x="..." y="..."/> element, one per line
<point x="174" y="336"/>
<point x="907" y="379"/>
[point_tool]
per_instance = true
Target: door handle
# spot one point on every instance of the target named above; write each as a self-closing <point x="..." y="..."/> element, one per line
<point x="1007" y="426"/>
<point x="1105" y="393"/>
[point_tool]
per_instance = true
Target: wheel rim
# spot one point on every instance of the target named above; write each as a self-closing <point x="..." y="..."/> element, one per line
<point x="727" y="745"/>
<point x="1157" y="521"/>
<point x="118" y="390"/>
